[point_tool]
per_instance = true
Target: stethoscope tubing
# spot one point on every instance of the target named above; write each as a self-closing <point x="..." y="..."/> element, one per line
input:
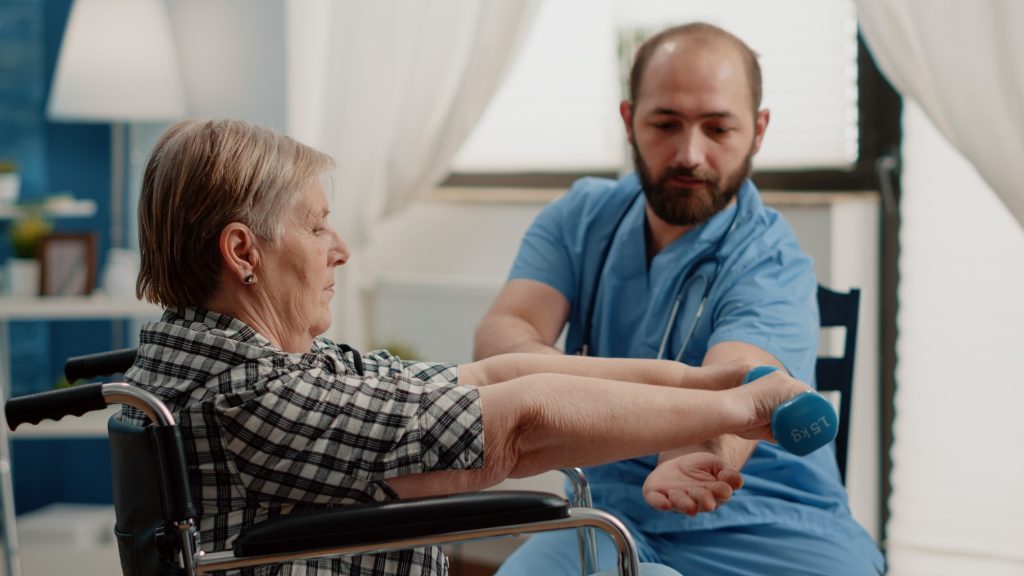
<point x="677" y="302"/>
<point x="693" y="325"/>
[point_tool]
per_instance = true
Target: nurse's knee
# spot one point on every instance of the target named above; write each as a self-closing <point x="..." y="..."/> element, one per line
<point x="646" y="569"/>
<point x="554" y="553"/>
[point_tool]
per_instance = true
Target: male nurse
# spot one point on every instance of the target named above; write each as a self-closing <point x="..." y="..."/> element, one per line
<point x="682" y="260"/>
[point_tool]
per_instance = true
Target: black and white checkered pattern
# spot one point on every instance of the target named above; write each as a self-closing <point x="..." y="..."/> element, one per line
<point x="267" y="432"/>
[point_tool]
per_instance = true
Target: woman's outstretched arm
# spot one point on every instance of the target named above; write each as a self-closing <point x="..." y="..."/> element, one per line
<point x="545" y="421"/>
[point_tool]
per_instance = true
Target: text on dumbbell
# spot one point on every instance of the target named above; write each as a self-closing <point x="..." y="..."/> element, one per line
<point x="811" y="430"/>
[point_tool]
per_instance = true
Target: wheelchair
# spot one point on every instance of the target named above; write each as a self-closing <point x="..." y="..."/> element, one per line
<point x="156" y="528"/>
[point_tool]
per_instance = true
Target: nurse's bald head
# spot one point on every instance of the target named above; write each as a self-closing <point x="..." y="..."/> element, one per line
<point x="693" y="36"/>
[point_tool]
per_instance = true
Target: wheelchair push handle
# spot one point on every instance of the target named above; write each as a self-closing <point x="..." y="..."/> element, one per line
<point x="803" y="423"/>
<point x="101" y="364"/>
<point x="54" y="404"/>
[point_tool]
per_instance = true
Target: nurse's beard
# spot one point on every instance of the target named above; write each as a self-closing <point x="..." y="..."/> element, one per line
<point x="687" y="206"/>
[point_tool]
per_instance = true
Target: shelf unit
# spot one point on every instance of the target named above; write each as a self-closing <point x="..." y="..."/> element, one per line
<point x="97" y="306"/>
<point x="92" y="307"/>
<point x="60" y="208"/>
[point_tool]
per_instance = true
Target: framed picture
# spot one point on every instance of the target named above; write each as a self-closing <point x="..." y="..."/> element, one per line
<point x="67" y="264"/>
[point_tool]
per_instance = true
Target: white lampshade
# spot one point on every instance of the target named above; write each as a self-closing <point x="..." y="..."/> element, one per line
<point x="117" y="64"/>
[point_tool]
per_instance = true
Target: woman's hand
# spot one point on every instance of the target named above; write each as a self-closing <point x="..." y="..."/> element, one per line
<point x="691" y="483"/>
<point x="759" y="399"/>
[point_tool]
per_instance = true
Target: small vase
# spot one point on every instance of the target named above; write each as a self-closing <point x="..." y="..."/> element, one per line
<point x="121" y="272"/>
<point x="22" y="277"/>
<point x="10" y="187"/>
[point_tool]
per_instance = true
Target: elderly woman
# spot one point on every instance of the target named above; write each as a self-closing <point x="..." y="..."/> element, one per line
<point x="236" y="244"/>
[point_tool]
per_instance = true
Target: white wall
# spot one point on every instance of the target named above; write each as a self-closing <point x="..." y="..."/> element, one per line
<point x="957" y="470"/>
<point x="439" y="266"/>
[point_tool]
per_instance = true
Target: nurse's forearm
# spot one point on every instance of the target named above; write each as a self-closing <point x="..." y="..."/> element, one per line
<point x="527" y="316"/>
<point x="735" y="450"/>
<point x="503" y="333"/>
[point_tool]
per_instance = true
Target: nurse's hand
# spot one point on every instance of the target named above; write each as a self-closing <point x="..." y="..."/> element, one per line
<point x="691" y="483"/>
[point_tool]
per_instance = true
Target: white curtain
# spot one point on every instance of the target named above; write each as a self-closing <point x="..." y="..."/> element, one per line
<point x="395" y="92"/>
<point x="957" y="466"/>
<point x="962" y="61"/>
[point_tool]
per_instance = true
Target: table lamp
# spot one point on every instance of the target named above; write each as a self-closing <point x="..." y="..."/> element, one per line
<point x="117" y="64"/>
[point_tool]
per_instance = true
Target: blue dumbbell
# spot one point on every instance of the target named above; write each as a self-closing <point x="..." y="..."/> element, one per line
<point x="803" y="423"/>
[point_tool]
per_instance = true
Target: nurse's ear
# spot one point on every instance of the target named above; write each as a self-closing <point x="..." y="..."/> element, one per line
<point x="626" y="112"/>
<point x="761" y="119"/>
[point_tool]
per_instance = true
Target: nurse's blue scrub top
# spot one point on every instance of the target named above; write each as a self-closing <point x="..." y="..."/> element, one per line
<point x="764" y="294"/>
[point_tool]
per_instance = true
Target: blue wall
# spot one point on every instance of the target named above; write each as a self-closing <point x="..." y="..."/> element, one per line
<point x="55" y="158"/>
<point x="50" y="470"/>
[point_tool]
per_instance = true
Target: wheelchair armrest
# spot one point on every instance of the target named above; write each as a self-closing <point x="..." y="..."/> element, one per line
<point x="400" y="519"/>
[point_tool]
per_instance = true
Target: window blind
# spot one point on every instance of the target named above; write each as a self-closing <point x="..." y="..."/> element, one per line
<point x="558" y="107"/>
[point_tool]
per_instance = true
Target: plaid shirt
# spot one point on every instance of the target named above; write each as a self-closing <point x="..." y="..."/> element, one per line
<point x="267" y="432"/>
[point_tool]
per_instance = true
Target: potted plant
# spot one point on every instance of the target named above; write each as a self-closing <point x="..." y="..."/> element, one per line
<point x="10" y="183"/>
<point x="23" y="266"/>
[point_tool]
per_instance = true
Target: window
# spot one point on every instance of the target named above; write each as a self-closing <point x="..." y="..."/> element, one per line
<point x="557" y="112"/>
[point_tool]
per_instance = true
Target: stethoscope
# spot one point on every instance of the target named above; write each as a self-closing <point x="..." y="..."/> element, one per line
<point x="708" y="257"/>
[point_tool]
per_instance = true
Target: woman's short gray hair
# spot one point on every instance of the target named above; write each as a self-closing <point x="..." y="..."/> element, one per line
<point x="201" y="176"/>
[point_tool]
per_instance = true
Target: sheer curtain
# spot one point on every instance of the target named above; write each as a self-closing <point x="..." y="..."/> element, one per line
<point x="391" y="90"/>
<point x="957" y="463"/>
<point x="963" y="63"/>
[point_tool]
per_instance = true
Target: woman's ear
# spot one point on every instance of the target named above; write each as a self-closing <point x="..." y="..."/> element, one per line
<point x="239" y="251"/>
